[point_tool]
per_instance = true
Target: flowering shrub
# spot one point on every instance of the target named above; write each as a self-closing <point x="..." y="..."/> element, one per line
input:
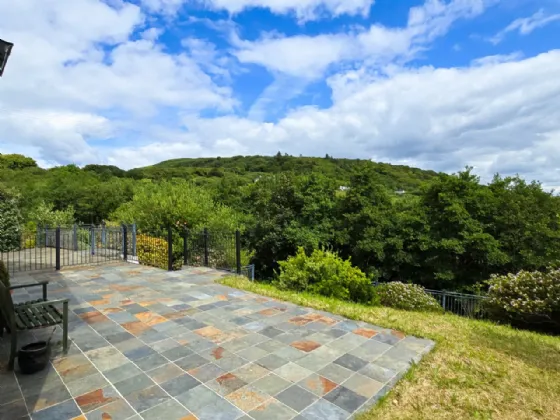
<point x="325" y="273"/>
<point x="153" y="251"/>
<point x="530" y="299"/>
<point x="406" y="296"/>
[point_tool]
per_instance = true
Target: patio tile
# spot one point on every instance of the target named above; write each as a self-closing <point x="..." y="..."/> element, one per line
<point x="65" y="410"/>
<point x="13" y="410"/>
<point x="336" y="373"/>
<point x="323" y="409"/>
<point x="250" y="372"/>
<point x="346" y="399"/>
<point x="365" y="332"/>
<point x="314" y="362"/>
<point x="296" y="398"/>
<point x="180" y="384"/>
<point x="136" y="327"/>
<point x="98" y="398"/>
<point x="271" y="362"/>
<point x="164" y="345"/>
<point x="350" y="362"/>
<point x="378" y="373"/>
<point x="133" y="384"/>
<point x="115" y="410"/>
<point x="139" y="353"/>
<point x="87" y="384"/>
<point x="370" y="350"/>
<point x="169" y="410"/>
<point x="271" y="384"/>
<point x="292" y="372"/>
<point x="252" y="353"/>
<point x="362" y="385"/>
<point x="128" y="370"/>
<point x="147" y="398"/>
<point x="151" y="362"/>
<point x="226" y="384"/>
<point x="247" y="398"/>
<point x="206" y="372"/>
<point x="272" y="409"/>
<point x="191" y="362"/>
<point x="231" y="362"/>
<point x="165" y="373"/>
<point x="196" y="398"/>
<point x="47" y="398"/>
<point x="290" y="353"/>
<point x="317" y="384"/>
<point x="106" y="358"/>
<point x="176" y="353"/>
<point x="392" y="364"/>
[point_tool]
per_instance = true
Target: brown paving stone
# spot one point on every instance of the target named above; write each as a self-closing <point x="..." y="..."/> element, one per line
<point x="305" y="345"/>
<point x="247" y="398"/>
<point x="299" y="320"/>
<point x="217" y="353"/>
<point x="93" y="317"/>
<point x="82" y="417"/>
<point x="111" y="310"/>
<point x="398" y="334"/>
<point x="327" y="321"/>
<point x="261" y="300"/>
<point x="314" y="317"/>
<point x="99" y="302"/>
<point x="365" y="332"/>
<point x="209" y="332"/>
<point x="268" y="312"/>
<point x="135" y="327"/>
<point x="317" y="384"/>
<point x="95" y="399"/>
<point x="150" y="318"/>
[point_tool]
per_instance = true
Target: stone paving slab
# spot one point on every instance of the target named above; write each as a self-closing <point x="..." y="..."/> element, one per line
<point x="150" y="344"/>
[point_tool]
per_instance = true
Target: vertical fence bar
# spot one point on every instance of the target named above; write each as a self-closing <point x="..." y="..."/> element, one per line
<point x="75" y="238"/>
<point x="206" y="247"/>
<point x="238" y="251"/>
<point x="57" y="250"/>
<point x="134" y="239"/>
<point x="103" y="236"/>
<point x="186" y="247"/>
<point x="169" y="249"/>
<point x="125" y="243"/>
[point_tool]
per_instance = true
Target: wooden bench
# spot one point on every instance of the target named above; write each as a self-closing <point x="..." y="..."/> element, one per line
<point x="31" y="315"/>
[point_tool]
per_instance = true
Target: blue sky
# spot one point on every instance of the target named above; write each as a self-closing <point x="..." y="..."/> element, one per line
<point x="437" y="84"/>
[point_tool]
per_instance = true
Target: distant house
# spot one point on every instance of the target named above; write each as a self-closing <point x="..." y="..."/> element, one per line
<point x="400" y="192"/>
<point x="343" y="188"/>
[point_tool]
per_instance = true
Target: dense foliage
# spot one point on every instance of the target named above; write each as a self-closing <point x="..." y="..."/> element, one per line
<point x="10" y="220"/>
<point x="410" y="297"/>
<point x="395" y="223"/>
<point x="526" y="299"/>
<point x="325" y="273"/>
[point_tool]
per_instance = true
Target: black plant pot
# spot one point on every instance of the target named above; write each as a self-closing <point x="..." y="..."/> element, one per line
<point x="34" y="357"/>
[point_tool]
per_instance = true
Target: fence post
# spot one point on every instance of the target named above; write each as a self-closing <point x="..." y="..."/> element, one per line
<point x="75" y="237"/>
<point x="134" y="239"/>
<point x="238" y="251"/>
<point x="205" y="247"/>
<point x="443" y="304"/>
<point x="92" y="239"/>
<point x="103" y="236"/>
<point x="57" y="249"/>
<point x="46" y="235"/>
<point x="169" y="249"/>
<point x="186" y="247"/>
<point x="125" y="243"/>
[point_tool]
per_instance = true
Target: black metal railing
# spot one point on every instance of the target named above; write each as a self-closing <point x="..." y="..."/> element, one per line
<point x="471" y="306"/>
<point x="57" y="247"/>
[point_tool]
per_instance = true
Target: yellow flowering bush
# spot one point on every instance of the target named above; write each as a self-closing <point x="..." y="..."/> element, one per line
<point x="528" y="299"/>
<point x="153" y="251"/>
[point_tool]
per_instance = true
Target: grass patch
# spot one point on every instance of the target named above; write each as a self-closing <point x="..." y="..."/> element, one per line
<point x="477" y="370"/>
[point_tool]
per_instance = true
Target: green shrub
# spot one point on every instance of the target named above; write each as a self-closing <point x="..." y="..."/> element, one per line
<point x="526" y="299"/>
<point x="10" y="220"/>
<point x="325" y="273"/>
<point x="4" y="274"/>
<point x="29" y="243"/>
<point x="154" y="252"/>
<point x="411" y="297"/>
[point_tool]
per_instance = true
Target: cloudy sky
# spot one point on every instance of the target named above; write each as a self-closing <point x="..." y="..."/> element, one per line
<point x="437" y="84"/>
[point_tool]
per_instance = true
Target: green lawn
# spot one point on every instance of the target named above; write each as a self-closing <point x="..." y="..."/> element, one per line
<point x="477" y="370"/>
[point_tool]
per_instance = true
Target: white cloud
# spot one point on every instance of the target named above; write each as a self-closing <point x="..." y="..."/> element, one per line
<point x="499" y="117"/>
<point x="524" y="26"/>
<point x="378" y="45"/>
<point x="75" y="68"/>
<point x="498" y="58"/>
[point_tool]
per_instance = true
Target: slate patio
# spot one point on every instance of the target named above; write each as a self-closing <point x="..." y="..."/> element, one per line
<point x="150" y="344"/>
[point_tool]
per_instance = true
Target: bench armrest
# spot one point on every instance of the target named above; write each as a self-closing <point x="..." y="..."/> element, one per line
<point x="41" y="283"/>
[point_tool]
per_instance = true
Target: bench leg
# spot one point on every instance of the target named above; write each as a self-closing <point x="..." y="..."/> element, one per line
<point x="13" y="351"/>
<point x="65" y="327"/>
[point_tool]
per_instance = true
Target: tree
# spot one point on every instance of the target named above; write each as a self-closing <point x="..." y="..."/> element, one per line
<point x="10" y="220"/>
<point x="15" y="161"/>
